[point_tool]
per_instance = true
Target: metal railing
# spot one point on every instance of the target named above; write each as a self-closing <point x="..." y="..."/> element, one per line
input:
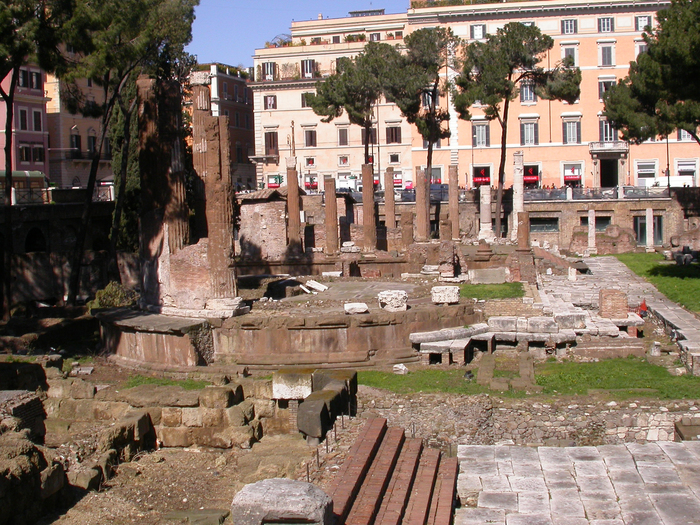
<point x="558" y="194"/>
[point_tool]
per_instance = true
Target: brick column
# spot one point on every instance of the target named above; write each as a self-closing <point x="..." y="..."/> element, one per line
<point x="453" y="200"/>
<point x="591" y="232"/>
<point x="406" y="229"/>
<point x="518" y="193"/>
<point x="369" y="216"/>
<point x="422" y="206"/>
<point x="389" y="205"/>
<point x="331" y="218"/>
<point x="293" y="206"/>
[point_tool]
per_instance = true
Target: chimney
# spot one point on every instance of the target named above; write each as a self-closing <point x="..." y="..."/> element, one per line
<point x="320" y="16"/>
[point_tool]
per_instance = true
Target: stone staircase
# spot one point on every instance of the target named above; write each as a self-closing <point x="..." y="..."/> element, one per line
<point x="390" y="480"/>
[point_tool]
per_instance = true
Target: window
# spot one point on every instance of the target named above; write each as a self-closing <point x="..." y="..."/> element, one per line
<point x="268" y="70"/>
<point x="393" y="135"/>
<point x="684" y="135"/>
<point x="527" y="93"/>
<point x="640" y="47"/>
<point x="374" y="37"/>
<point x="544" y="224"/>
<point x="38" y="153"/>
<point x="75" y="143"/>
<point x="309" y="162"/>
<point x="601" y="223"/>
<point x="342" y="136"/>
<point x="529" y="133"/>
<point x="531" y="174"/>
<point x="478" y="31"/>
<point x="237" y="119"/>
<point x="606" y="25"/>
<point x="480" y="135"/>
<point x="270" y="101"/>
<point x="606" y="55"/>
<point x="37" y="120"/>
<point x="343" y="160"/>
<point x="372" y="136"/>
<point x="247" y="121"/>
<point x="310" y="138"/>
<point x="308" y="68"/>
<point x="224" y="90"/>
<point x="305" y="100"/>
<point x="686" y="168"/>
<point x="436" y="145"/>
<point x="572" y="172"/>
<point x="245" y="95"/>
<point x="35" y="80"/>
<point x="226" y="113"/>
<point x="642" y="22"/>
<point x="89" y="82"/>
<point x="271" y="144"/>
<point x="25" y="153"/>
<point x="235" y="92"/>
<point x="428" y="99"/>
<point x="646" y="169"/>
<point x="571" y="132"/>
<point x="336" y="39"/>
<point x="23" y="118"/>
<point x="569" y="26"/>
<point x="240" y="157"/>
<point x="607" y="132"/>
<point x="398" y="34"/>
<point x="91" y="144"/>
<point x="604" y="85"/>
<point x="569" y="54"/>
<point x="23" y="80"/>
<point x="394" y="158"/>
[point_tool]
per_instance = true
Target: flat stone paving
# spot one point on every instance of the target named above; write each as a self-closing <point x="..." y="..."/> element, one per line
<point x="632" y="484"/>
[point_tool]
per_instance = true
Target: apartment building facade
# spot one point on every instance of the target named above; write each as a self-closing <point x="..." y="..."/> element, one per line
<point x="30" y="139"/>
<point x="231" y="96"/>
<point x="563" y="144"/>
<point x="74" y="137"/>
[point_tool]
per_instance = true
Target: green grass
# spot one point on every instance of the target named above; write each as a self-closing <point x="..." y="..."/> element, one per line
<point x="680" y="284"/>
<point x="621" y="377"/>
<point x="492" y="291"/>
<point x="187" y="384"/>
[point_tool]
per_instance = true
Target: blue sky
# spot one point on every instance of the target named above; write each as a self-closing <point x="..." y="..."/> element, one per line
<point x="229" y="31"/>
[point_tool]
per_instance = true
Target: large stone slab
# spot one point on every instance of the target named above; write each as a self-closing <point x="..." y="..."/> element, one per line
<point x="445" y="294"/>
<point x="488" y="275"/>
<point x="503" y="324"/>
<point x="393" y="300"/>
<point x="292" y="383"/>
<point x="281" y="501"/>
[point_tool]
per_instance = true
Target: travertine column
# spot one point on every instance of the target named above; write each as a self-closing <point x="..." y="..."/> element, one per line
<point x="523" y="219"/>
<point x="293" y="206"/>
<point x="592" y="248"/>
<point x="518" y="193"/>
<point x="331" y="218"/>
<point x="389" y="205"/>
<point x="485" y="226"/>
<point x="650" y="229"/>
<point x="369" y="216"/>
<point x="422" y="207"/>
<point x="453" y="200"/>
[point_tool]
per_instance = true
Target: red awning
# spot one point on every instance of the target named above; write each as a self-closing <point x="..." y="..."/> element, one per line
<point x="481" y="180"/>
<point x="398" y="181"/>
<point x="572" y="178"/>
<point x="273" y="185"/>
<point x="531" y="178"/>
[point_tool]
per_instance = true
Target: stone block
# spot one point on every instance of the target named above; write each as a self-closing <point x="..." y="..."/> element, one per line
<point x="262" y="389"/>
<point x="82" y="390"/>
<point x="191" y="417"/>
<point x="175" y="437"/>
<point x="542" y="325"/>
<point x="313" y="417"/>
<point x="356" y="308"/>
<point x="292" y="383"/>
<point x="216" y="397"/>
<point x="445" y="294"/>
<point x="488" y="275"/>
<point x="59" y="388"/>
<point x="235" y="417"/>
<point x="228" y="437"/>
<point x="248" y="409"/>
<point x="393" y="300"/>
<point x="213" y="417"/>
<point x="264" y="408"/>
<point x="52" y="480"/>
<point x="503" y="324"/>
<point x="521" y="324"/>
<point x="88" y="479"/>
<point x="281" y="501"/>
<point x="570" y="320"/>
<point x="171" y="417"/>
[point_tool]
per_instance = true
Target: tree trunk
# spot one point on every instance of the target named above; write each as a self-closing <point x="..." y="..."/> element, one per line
<point x="502" y="166"/>
<point x="9" y="245"/>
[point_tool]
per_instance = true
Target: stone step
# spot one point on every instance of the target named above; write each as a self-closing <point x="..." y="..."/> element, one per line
<point x="423" y="486"/>
<point x="369" y="499"/>
<point x="444" y="496"/>
<point x="394" y="504"/>
<point x="352" y="473"/>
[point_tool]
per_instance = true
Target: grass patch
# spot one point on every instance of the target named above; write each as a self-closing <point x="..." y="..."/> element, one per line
<point x="628" y="377"/>
<point x="429" y="381"/>
<point x="492" y="291"/>
<point x="680" y="284"/>
<point x="187" y="384"/>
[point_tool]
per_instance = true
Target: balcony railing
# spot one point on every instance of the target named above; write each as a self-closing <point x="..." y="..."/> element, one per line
<point x="613" y="146"/>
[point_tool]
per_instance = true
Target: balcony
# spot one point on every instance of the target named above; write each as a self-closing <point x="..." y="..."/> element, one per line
<point x="613" y="147"/>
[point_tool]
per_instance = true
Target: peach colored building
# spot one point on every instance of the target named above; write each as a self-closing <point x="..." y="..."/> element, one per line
<point x="563" y="144"/>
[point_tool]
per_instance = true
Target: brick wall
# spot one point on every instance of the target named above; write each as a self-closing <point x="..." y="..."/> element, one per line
<point x="613" y="304"/>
